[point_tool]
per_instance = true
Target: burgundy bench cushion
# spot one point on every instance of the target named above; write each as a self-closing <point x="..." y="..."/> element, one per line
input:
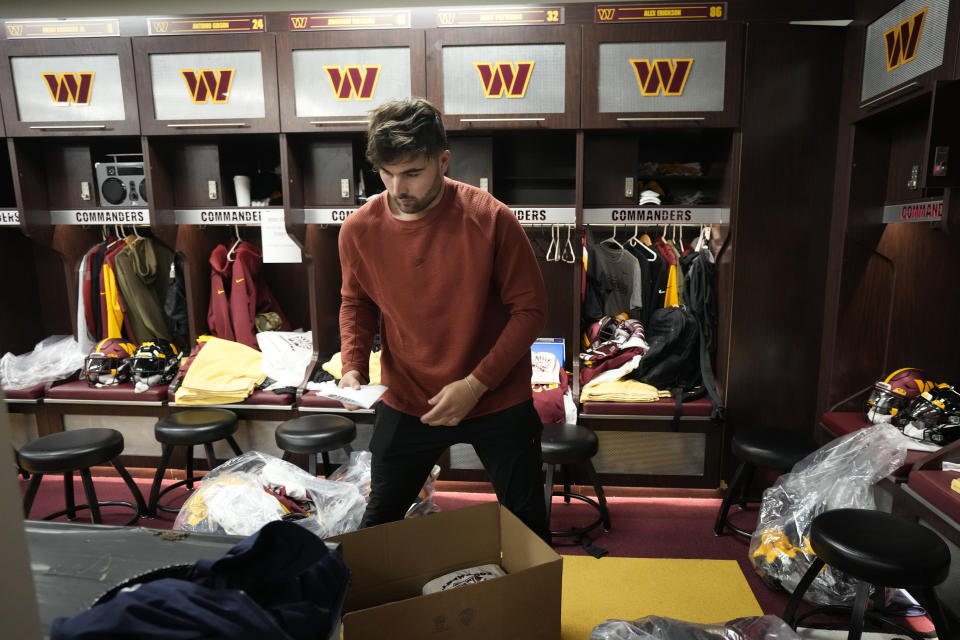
<point x="80" y="390"/>
<point x="311" y="399"/>
<point x="841" y="423"/>
<point x="934" y="487"/>
<point x="34" y="392"/>
<point x="662" y="407"/>
<point x="259" y="397"/>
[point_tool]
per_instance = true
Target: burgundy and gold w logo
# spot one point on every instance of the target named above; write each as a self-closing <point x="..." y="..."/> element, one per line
<point x="662" y="75"/>
<point x="902" y="40"/>
<point x="351" y="81"/>
<point x="504" y="77"/>
<point x="69" y="88"/>
<point x="208" y="84"/>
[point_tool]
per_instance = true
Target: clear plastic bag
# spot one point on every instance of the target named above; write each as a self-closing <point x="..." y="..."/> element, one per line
<point x="424" y="504"/>
<point x="839" y="475"/>
<point x="355" y="471"/>
<point x="53" y="358"/>
<point x="234" y="498"/>
<point x="657" y="628"/>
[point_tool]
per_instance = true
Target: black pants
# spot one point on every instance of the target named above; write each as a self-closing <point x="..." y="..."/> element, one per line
<point x="507" y="443"/>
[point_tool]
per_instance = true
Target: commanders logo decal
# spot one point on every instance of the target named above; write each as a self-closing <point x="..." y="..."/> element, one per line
<point x="902" y="40"/>
<point x="208" y="85"/>
<point x="662" y="75"/>
<point x="353" y="81"/>
<point x="504" y="78"/>
<point x="69" y="88"/>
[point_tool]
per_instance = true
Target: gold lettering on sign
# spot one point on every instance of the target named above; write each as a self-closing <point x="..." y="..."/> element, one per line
<point x="15" y="30"/>
<point x="298" y="22"/>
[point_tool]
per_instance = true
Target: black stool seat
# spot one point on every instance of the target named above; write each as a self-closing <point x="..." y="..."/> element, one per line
<point x="567" y="443"/>
<point x="196" y="426"/>
<point x="771" y="448"/>
<point x="71" y="450"/>
<point x="77" y="450"/>
<point x="767" y="448"/>
<point x="316" y="435"/>
<point x="187" y="428"/>
<point x="878" y="550"/>
<point x="572" y="446"/>
<point x="312" y="434"/>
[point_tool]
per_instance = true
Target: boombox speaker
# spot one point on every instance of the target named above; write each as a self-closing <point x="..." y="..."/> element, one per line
<point x="121" y="184"/>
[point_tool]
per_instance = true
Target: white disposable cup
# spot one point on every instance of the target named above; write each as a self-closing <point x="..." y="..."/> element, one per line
<point x="241" y="185"/>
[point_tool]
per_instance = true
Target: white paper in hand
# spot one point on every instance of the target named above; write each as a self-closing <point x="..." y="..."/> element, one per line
<point x="365" y="397"/>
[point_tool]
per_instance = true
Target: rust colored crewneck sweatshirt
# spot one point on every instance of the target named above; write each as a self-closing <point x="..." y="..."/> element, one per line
<point x="459" y="291"/>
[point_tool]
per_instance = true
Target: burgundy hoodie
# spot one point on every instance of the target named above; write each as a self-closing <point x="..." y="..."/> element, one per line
<point x="218" y="313"/>
<point x="249" y="294"/>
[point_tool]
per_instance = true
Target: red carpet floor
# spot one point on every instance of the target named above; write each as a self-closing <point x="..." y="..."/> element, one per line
<point x="641" y="527"/>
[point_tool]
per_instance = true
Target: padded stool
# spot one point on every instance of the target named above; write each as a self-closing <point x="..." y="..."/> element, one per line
<point x="187" y="429"/>
<point x="77" y="450"/>
<point x="316" y="435"/>
<point x="881" y="550"/>
<point x="572" y="446"/>
<point x="767" y="448"/>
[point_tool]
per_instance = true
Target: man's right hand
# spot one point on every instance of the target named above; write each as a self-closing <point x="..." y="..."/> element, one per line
<point x="352" y="379"/>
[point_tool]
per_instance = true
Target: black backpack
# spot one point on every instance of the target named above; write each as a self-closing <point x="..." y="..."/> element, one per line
<point x="673" y="359"/>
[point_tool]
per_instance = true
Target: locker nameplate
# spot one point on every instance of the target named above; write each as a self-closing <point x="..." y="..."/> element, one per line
<point x="166" y="26"/>
<point x="225" y="216"/>
<point x="327" y="216"/>
<point x="335" y="20"/>
<point x="500" y="16"/>
<point x="66" y="28"/>
<point x="9" y="218"/>
<point x="657" y="215"/>
<point x="928" y="211"/>
<point x="611" y="13"/>
<point x="99" y="216"/>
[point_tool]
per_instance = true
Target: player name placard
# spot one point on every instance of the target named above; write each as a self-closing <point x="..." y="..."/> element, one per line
<point x="657" y="215"/>
<point x="333" y="20"/>
<point x="232" y="215"/>
<point x="327" y="216"/>
<point x="9" y="218"/>
<point x="100" y="216"/>
<point x="500" y="16"/>
<point x="657" y="12"/>
<point x="167" y="26"/>
<point x="545" y="215"/>
<point x="66" y="28"/>
<point x="924" y="211"/>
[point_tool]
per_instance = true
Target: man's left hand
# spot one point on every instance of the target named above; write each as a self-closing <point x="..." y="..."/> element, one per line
<point x="451" y="405"/>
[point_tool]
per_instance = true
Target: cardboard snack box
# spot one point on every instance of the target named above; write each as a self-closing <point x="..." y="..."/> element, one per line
<point x="390" y="563"/>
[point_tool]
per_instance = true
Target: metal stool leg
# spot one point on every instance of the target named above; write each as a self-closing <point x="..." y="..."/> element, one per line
<point x="211" y="459"/>
<point x="92" y="501"/>
<point x="68" y="496"/>
<point x="134" y="490"/>
<point x="326" y="463"/>
<point x="234" y="446"/>
<point x="157" y="478"/>
<point x="312" y="464"/>
<point x="790" y="613"/>
<point x="189" y="467"/>
<point x="548" y="491"/>
<point x="734" y="490"/>
<point x="859" y="610"/>
<point x="601" y="497"/>
<point x="31" y="493"/>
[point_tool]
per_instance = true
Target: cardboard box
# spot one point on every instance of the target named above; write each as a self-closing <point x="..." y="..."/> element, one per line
<point x="390" y="564"/>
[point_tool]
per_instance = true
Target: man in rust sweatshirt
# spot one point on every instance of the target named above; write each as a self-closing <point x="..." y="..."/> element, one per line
<point x="447" y="275"/>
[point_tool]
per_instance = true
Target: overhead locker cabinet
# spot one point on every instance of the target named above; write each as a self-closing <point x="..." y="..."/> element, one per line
<point x="504" y="78"/>
<point x="207" y="84"/>
<point x="667" y="74"/>
<point x="331" y="81"/>
<point x="69" y="87"/>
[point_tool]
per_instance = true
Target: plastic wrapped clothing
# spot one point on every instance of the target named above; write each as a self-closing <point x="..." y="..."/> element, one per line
<point x="52" y="359"/>
<point x="246" y="492"/>
<point x="840" y="474"/>
<point x="281" y="583"/>
<point x="657" y="628"/>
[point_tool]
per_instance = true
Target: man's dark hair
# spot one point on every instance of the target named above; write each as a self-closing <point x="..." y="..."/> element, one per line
<point x="402" y="127"/>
